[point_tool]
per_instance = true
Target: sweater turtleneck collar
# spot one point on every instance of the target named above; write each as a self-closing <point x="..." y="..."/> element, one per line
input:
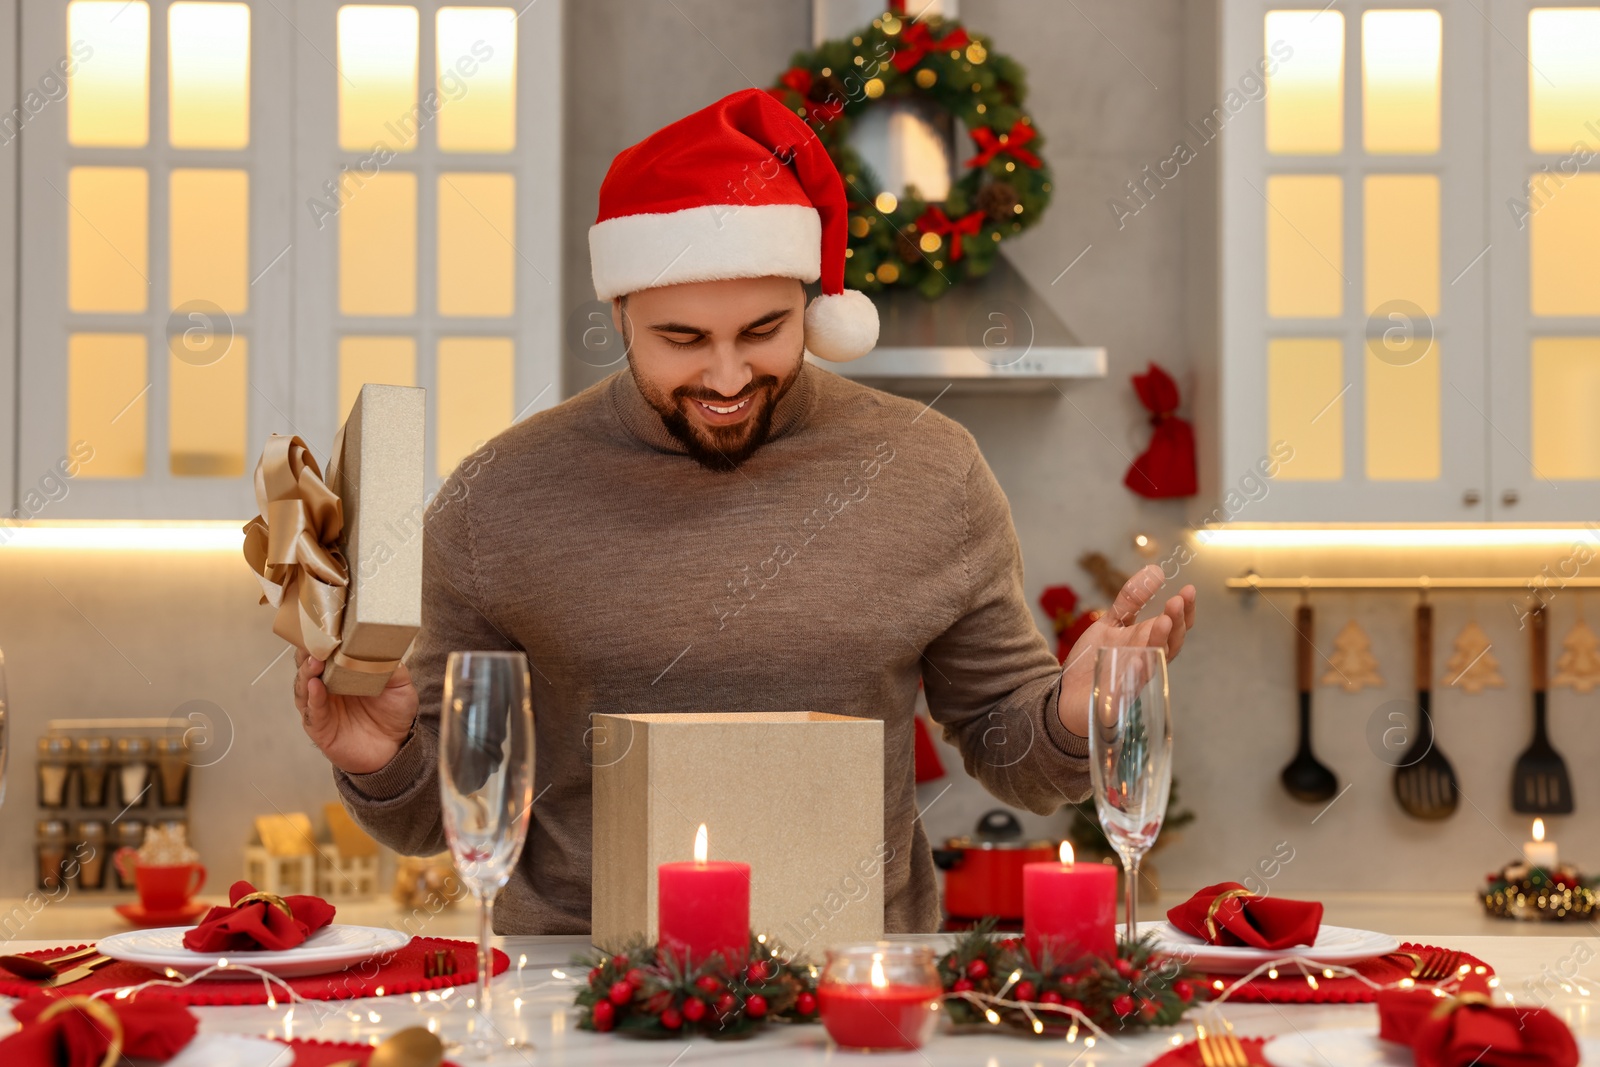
<point x="643" y="422"/>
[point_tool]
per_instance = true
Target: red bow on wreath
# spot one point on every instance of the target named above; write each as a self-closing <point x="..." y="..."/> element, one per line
<point x="991" y="144"/>
<point x="1166" y="467"/>
<point x="935" y="221"/>
<point x="799" y="80"/>
<point x="917" y="42"/>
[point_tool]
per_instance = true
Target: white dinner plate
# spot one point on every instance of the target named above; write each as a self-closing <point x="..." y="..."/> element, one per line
<point x="232" y="1050"/>
<point x="333" y="948"/>
<point x="1360" y="1048"/>
<point x="1335" y="944"/>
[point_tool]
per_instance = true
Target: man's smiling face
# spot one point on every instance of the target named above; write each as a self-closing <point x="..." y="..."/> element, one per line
<point x="713" y="358"/>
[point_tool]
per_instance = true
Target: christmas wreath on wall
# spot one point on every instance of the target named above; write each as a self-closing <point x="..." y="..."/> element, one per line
<point x="899" y="238"/>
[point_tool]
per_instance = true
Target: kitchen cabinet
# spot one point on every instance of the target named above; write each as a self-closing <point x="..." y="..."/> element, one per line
<point x="1396" y="332"/>
<point x="234" y="213"/>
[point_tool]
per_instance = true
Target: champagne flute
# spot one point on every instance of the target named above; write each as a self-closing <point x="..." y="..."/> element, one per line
<point x="486" y="785"/>
<point x="1130" y="756"/>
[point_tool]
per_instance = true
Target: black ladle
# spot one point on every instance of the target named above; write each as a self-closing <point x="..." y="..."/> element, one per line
<point x="1305" y="777"/>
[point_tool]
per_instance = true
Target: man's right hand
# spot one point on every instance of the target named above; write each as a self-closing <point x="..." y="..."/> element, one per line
<point x="359" y="735"/>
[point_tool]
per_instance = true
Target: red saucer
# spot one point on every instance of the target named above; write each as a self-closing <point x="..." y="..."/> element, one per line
<point x="138" y="915"/>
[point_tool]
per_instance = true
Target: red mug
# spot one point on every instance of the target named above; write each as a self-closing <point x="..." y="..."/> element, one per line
<point x="167" y="888"/>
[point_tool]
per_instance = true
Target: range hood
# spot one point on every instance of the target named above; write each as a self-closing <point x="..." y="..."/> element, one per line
<point x="992" y="334"/>
<point x="995" y="334"/>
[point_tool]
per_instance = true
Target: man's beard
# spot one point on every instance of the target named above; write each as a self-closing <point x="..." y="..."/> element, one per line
<point x="721" y="448"/>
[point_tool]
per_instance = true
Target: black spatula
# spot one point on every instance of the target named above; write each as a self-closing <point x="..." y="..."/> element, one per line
<point x="1425" y="783"/>
<point x="1305" y="777"/>
<point x="1539" y="781"/>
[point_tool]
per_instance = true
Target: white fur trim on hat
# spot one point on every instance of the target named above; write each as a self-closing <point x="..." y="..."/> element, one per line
<point x="841" y="327"/>
<point x="702" y="244"/>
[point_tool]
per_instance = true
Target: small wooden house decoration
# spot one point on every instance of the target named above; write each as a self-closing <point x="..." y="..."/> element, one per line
<point x="284" y="858"/>
<point x="347" y="867"/>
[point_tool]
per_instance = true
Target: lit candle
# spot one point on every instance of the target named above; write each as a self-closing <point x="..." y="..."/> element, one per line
<point x="894" y="1009"/>
<point x="704" y="908"/>
<point x="1539" y="852"/>
<point x="1069" y="908"/>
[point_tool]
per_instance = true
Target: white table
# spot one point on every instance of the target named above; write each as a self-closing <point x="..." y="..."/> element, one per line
<point x="531" y="1003"/>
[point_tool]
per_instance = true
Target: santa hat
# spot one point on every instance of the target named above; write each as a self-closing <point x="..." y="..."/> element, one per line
<point x="741" y="189"/>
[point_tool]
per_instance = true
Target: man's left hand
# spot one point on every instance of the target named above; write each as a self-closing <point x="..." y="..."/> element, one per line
<point x="1120" y="627"/>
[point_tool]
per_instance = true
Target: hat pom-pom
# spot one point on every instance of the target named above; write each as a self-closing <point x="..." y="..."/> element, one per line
<point x="841" y="327"/>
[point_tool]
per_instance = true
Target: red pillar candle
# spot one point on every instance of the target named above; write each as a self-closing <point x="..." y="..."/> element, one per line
<point x="704" y="908"/>
<point x="1069" y="908"/>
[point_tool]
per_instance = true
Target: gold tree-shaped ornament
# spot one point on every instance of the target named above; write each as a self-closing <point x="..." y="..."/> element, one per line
<point x="1578" y="666"/>
<point x="1472" y="666"/>
<point x="1352" y="667"/>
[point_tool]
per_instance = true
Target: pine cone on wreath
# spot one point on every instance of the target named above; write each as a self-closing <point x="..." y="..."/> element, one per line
<point x="998" y="201"/>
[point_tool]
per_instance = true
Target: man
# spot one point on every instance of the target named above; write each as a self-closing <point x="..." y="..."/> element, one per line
<point x="725" y="526"/>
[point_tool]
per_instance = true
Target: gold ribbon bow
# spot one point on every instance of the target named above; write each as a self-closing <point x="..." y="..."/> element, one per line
<point x="293" y="546"/>
<point x="1216" y="905"/>
<point x="100" y="1012"/>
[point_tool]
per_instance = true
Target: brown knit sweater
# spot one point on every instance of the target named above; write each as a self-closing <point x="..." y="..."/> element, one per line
<point x="865" y="546"/>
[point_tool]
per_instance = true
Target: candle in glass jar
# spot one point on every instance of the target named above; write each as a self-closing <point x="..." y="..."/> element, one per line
<point x="887" y="1012"/>
<point x="703" y="907"/>
<point x="1539" y="852"/>
<point x="1069" y="909"/>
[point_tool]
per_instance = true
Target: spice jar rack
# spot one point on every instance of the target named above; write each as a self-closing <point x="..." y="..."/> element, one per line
<point x="101" y="783"/>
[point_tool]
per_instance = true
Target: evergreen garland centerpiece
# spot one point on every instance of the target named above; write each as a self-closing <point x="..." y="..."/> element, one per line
<point x="899" y="238"/>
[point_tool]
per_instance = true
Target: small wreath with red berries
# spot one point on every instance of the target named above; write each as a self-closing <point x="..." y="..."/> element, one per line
<point x="990" y="982"/>
<point x="900" y="239"/>
<point x="645" y="992"/>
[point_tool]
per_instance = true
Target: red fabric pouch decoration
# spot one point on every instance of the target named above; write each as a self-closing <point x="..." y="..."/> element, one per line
<point x="1468" y="1030"/>
<point x="258" y="924"/>
<point x="78" y="1031"/>
<point x="1166" y="467"/>
<point x="1229" y="914"/>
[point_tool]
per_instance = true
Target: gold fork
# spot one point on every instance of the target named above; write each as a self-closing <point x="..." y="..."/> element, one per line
<point x="1220" y="1049"/>
<point x="1436" y="965"/>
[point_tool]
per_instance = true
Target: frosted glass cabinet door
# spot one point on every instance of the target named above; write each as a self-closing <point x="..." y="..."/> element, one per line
<point x="1353" y="292"/>
<point x="1546" y="372"/>
<point x="154" y="307"/>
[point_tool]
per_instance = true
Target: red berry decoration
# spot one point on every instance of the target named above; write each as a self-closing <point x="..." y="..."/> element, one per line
<point x="1050" y="996"/>
<point x="1183" y="990"/>
<point x="1075" y="1005"/>
<point x="961" y="985"/>
<point x="755" y="1006"/>
<point x="977" y="970"/>
<point x="727" y="1004"/>
<point x="671" y="1018"/>
<point x="604" y="1015"/>
<point x="594" y="975"/>
<point x="1124" y="968"/>
<point x="694" y="1009"/>
<point x="708" y="982"/>
<point x="1149" y="1008"/>
<point x="1023" y="990"/>
<point x="757" y="971"/>
<point x="619" y="962"/>
<point x="635" y="977"/>
<point x="621" y="992"/>
<point x="805" y="1003"/>
<point x="1123" y="1005"/>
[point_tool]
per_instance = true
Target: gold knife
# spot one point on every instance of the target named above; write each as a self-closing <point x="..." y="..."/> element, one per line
<point x="83" y="970"/>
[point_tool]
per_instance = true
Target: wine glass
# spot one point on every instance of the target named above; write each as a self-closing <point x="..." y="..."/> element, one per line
<point x="1130" y="756"/>
<point x="486" y="785"/>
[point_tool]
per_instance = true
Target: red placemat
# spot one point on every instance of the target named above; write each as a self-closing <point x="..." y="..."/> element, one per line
<point x="309" y="1052"/>
<point x="382" y="975"/>
<point x="1186" y="1055"/>
<point x="1290" y="987"/>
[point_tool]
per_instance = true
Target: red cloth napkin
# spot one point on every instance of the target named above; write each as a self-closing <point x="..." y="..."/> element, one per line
<point x="1241" y="918"/>
<point x="1467" y="1030"/>
<point x="258" y="925"/>
<point x="153" y="1028"/>
<point x="1188" y="1054"/>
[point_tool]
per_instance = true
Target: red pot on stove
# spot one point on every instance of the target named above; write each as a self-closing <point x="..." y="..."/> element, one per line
<point x="983" y="873"/>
